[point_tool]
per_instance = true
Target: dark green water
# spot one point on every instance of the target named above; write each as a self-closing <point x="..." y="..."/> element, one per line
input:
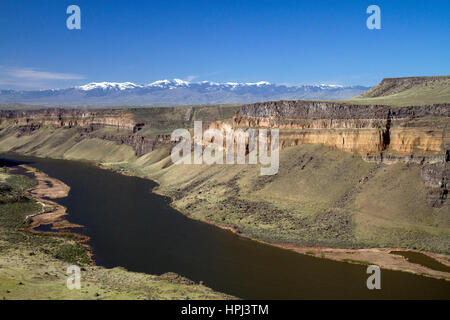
<point x="422" y="259"/>
<point x="131" y="227"/>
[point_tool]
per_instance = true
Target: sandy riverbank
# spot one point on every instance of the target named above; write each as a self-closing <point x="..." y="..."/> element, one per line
<point x="48" y="188"/>
<point x="378" y="256"/>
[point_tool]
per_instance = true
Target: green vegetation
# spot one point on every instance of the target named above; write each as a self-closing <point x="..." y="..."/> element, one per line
<point x="392" y="210"/>
<point x="357" y="261"/>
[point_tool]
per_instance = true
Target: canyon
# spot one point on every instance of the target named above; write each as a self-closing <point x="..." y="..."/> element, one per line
<point x="417" y="131"/>
<point x="352" y="174"/>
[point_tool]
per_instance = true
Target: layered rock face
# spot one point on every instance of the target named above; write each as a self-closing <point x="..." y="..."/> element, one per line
<point x="367" y="130"/>
<point x="70" y="117"/>
<point x="87" y="122"/>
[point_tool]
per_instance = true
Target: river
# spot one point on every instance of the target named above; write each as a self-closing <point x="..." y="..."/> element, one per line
<point x="132" y="227"/>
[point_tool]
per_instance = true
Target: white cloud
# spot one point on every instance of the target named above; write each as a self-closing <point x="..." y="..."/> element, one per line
<point x="42" y="75"/>
<point x="30" y="78"/>
<point x="190" y="78"/>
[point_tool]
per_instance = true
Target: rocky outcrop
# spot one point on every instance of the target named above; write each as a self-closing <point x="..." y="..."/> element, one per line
<point x="140" y="144"/>
<point x="436" y="177"/>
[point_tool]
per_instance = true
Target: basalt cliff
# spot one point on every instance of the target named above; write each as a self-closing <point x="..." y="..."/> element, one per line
<point x="369" y="130"/>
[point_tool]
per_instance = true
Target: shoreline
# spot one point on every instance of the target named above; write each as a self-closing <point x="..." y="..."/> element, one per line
<point x="52" y="212"/>
<point x="379" y="256"/>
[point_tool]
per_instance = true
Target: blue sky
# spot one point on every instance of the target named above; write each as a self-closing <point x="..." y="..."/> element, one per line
<point x="290" y="42"/>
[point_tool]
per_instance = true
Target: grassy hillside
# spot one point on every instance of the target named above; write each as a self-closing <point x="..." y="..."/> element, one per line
<point x="407" y="91"/>
<point x="63" y="143"/>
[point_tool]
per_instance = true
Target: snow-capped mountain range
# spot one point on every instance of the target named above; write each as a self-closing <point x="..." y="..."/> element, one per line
<point x="176" y="92"/>
<point x="166" y="84"/>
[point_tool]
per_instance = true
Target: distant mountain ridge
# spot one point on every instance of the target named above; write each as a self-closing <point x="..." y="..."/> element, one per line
<point x="176" y="92"/>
